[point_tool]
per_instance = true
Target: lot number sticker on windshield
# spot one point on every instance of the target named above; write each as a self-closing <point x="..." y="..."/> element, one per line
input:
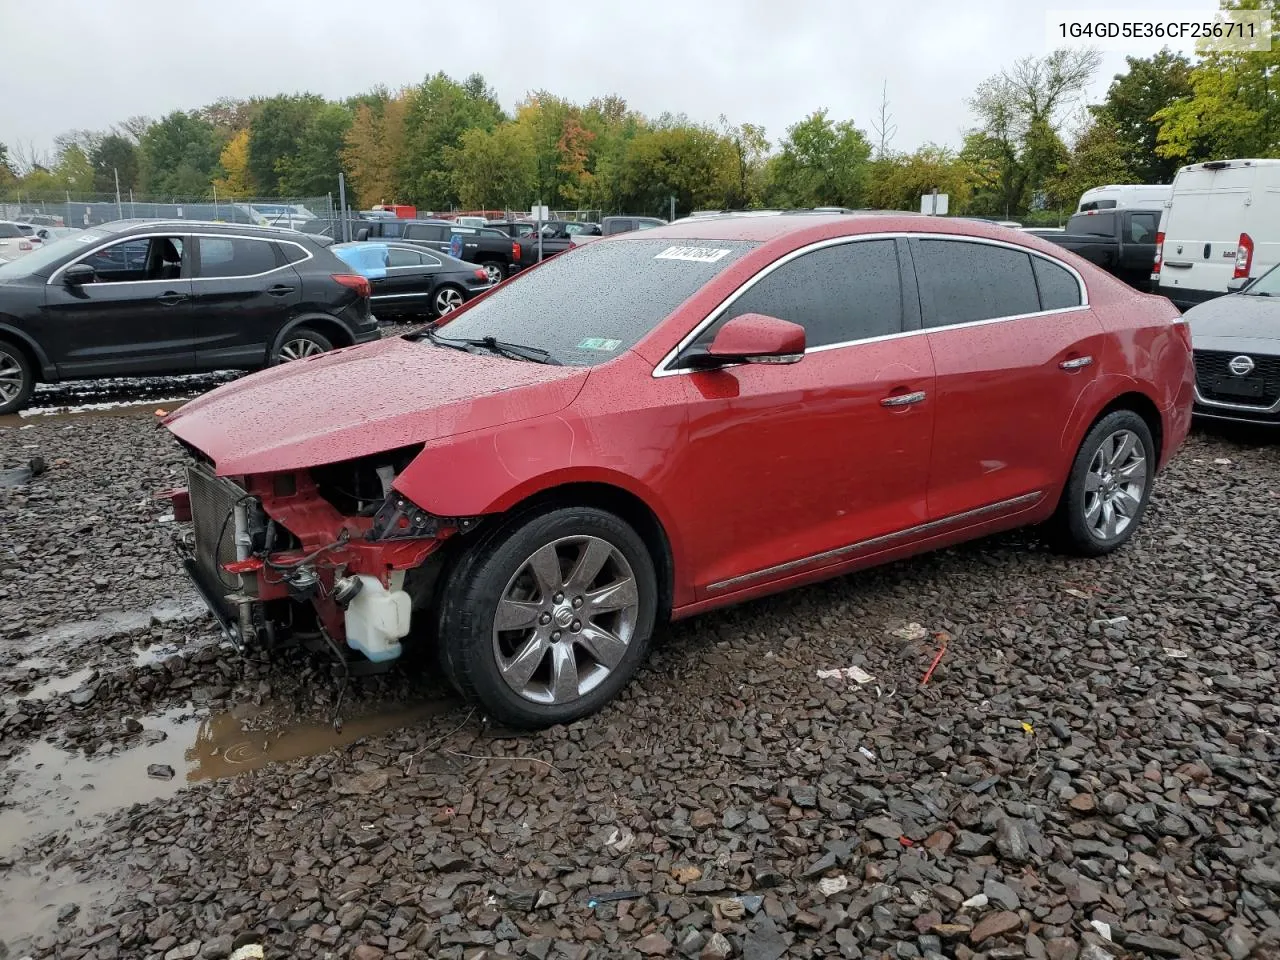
<point x="599" y="343"/>
<point x="694" y="254"/>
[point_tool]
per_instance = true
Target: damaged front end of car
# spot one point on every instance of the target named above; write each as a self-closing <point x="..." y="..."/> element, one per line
<point x="316" y="556"/>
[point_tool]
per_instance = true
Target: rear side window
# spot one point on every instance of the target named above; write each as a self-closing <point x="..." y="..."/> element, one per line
<point x="397" y="257"/>
<point x="1058" y="287"/>
<point x="961" y="282"/>
<point x="293" y="253"/>
<point x="235" y="257"/>
<point x="852" y="291"/>
<point x="1143" y="226"/>
<point x="392" y="229"/>
<point x="1093" y="224"/>
<point x="423" y="231"/>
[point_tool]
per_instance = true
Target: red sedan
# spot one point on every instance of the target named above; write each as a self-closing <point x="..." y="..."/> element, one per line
<point x="672" y="421"/>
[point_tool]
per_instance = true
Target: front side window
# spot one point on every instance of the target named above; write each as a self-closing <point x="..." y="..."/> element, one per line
<point x="851" y="291"/>
<point x="590" y="305"/>
<point x="962" y="281"/>
<point x="235" y="257"/>
<point x="143" y="258"/>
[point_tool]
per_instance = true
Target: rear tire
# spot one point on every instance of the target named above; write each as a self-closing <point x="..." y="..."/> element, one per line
<point x="301" y="343"/>
<point x="497" y="271"/>
<point x="578" y="595"/>
<point x="17" y="378"/>
<point x="1108" y="488"/>
<point x="447" y="299"/>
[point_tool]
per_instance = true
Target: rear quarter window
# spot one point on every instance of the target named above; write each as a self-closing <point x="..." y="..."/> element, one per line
<point x="1058" y="287"/>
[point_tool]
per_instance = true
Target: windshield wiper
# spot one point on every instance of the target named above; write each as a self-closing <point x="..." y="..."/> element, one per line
<point x="517" y="351"/>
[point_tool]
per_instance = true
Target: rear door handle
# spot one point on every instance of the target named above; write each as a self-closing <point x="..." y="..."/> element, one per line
<point x="1076" y="363"/>
<point x="903" y="399"/>
<point x="171" y="297"/>
<point x="279" y="290"/>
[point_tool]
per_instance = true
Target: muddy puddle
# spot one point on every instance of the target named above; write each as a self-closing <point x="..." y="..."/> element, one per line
<point x="55" y="686"/>
<point x="114" y="623"/>
<point x="48" y="789"/>
<point x="35" y="899"/>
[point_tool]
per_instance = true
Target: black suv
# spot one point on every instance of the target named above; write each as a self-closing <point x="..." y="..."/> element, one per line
<point x="156" y="297"/>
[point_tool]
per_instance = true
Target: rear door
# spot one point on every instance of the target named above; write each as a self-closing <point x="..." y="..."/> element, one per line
<point x="828" y="454"/>
<point x="1138" y="229"/>
<point x="135" y="318"/>
<point x="407" y="286"/>
<point x="244" y="290"/>
<point x="1014" y="348"/>
<point x="1202" y="230"/>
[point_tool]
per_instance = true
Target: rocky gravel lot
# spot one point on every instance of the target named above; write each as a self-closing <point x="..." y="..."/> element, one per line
<point x="1091" y="771"/>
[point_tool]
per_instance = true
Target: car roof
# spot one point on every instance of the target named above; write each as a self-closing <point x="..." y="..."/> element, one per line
<point x="772" y="226"/>
<point x="204" y="226"/>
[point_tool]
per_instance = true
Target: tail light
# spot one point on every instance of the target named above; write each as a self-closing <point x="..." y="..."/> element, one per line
<point x="24" y="244"/>
<point x="1244" y="257"/>
<point x="482" y="275"/>
<point x="1155" y="267"/>
<point x="515" y="252"/>
<point x="356" y="282"/>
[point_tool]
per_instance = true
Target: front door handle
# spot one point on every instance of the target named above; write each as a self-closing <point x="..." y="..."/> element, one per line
<point x="171" y="297"/>
<point x="1076" y="363"/>
<point x="903" y="399"/>
<point x="280" y="290"/>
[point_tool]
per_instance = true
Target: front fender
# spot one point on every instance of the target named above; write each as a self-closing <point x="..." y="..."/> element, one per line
<point x="47" y="370"/>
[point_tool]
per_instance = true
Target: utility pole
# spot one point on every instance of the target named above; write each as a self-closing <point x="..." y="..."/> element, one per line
<point x="342" y="203"/>
<point x="673" y="208"/>
<point x="119" y="205"/>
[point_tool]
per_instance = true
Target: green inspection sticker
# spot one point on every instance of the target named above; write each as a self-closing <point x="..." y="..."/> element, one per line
<point x="599" y="343"/>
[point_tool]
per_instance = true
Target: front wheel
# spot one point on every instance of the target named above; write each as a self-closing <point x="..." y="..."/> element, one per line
<point x="549" y="617"/>
<point x="1110" y="484"/>
<point x="17" y="378"/>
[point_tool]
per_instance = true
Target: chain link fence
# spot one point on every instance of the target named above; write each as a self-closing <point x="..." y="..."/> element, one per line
<point x="91" y="209"/>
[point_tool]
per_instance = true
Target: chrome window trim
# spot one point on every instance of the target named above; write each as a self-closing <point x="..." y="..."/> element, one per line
<point x="886" y="539"/>
<point x="182" y="234"/>
<point x="663" y="368"/>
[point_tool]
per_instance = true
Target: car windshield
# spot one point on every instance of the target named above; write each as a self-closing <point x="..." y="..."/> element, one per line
<point x="1267" y="285"/>
<point x="41" y="261"/>
<point x="587" y="306"/>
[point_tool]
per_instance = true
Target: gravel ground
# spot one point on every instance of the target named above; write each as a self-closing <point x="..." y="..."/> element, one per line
<point x="1090" y="772"/>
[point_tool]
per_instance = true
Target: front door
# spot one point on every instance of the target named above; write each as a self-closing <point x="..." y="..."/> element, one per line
<point x="132" y="318"/>
<point x="1014" y="350"/>
<point x="800" y="466"/>
<point x="244" y="293"/>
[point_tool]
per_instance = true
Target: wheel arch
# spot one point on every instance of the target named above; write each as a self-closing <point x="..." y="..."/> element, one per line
<point x="1143" y="406"/>
<point x="39" y="360"/>
<point x="333" y="329"/>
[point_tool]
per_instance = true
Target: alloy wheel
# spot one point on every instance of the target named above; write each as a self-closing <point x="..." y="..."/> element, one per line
<point x="1115" y="484"/>
<point x="565" y="619"/>
<point x="12" y="379"/>
<point x="447" y="301"/>
<point x="494" y="271"/>
<point x="299" y="348"/>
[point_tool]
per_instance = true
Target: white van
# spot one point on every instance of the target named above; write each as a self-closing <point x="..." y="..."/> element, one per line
<point x="1221" y="225"/>
<point x="1119" y="196"/>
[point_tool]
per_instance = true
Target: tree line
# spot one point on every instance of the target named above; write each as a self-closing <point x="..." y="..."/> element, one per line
<point x="449" y="144"/>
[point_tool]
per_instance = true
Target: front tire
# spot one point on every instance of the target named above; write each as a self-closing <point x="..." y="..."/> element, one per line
<point x="1109" y="486"/>
<point x="17" y="378"/>
<point x="300" y="344"/>
<point x="547" y="619"/>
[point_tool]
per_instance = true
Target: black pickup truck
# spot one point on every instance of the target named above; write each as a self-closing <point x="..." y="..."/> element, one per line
<point x="557" y="236"/>
<point x="1122" y="242"/>
<point x="498" y="253"/>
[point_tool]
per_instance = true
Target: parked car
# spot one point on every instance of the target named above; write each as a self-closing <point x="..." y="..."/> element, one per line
<point x="497" y="253"/>
<point x="15" y="241"/>
<point x="555" y="239"/>
<point x="408" y="281"/>
<point x="1236" y="339"/>
<point x="613" y="225"/>
<point x="1121" y="241"/>
<point x="1222" y="224"/>
<point x="1123" y="196"/>
<point x="672" y="421"/>
<point x="40" y="219"/>
<point x="144" y="298"/>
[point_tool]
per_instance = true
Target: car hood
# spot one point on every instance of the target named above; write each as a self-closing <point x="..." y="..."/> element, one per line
<point x="364" y="400"/>
<point x="1236" y="323"/>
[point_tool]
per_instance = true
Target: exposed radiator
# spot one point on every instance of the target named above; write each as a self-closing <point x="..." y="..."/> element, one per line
<point x="213" y="502"/>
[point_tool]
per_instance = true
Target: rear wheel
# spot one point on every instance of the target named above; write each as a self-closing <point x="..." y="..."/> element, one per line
<point x="1109" y="486"/>
<point x="17" y="378"/>
<point x="447" y="299"/>
<point x="301" y="343"/>
<point x="548" y="618"/>
<point x="496" y="271"/>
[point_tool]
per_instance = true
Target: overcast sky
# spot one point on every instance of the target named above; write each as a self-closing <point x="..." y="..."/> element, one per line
<point x="86" y="63"/>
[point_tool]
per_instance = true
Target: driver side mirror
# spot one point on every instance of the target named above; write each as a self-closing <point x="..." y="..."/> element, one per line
<point x="1236" y="284"/>
<point x="362" y="233"/>
<point x="752" y="338"/>
<point x="79" y="273"/>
